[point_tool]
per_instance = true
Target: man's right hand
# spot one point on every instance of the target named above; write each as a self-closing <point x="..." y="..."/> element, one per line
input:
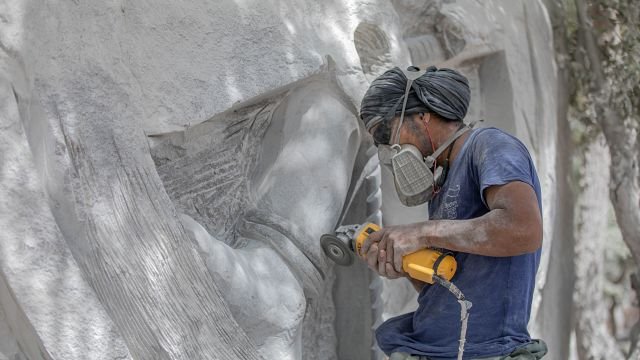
<point x="381" y="261"/>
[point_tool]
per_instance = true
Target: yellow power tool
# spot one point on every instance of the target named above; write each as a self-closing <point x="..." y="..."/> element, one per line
<point x="421" y="265"/>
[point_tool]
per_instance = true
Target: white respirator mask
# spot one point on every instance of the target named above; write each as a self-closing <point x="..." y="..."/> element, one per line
<point x="414" y="180"/>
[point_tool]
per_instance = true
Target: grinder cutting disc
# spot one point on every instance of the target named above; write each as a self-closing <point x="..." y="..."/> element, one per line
<point x="336" y="249"/>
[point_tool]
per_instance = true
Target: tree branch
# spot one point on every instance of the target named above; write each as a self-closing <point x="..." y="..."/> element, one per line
<point x="593" y="54"/>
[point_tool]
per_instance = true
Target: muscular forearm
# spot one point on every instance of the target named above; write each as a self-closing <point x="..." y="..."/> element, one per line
<point x="512" y="227"/>
<point x="493" y="234"/>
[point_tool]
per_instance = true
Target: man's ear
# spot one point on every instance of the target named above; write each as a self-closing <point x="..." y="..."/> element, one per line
<point x="425" y="118"/>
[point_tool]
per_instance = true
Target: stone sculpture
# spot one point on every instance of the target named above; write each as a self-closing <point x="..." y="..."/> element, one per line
<point x="167" y="170"/>
<point x="267" y="179"/>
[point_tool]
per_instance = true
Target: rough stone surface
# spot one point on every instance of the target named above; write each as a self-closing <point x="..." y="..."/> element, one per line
<point x="47" y="305"/>
<point x="9" y="348"/>
<point x="249" y="108"/>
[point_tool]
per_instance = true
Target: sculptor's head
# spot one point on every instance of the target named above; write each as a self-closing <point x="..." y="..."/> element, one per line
<point x="437" y="102"/>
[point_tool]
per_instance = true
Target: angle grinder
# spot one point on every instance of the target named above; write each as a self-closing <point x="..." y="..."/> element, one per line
<point x="347" y="240"/>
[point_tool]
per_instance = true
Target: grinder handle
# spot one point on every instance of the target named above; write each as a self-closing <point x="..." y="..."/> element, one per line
<point x="419" y="265"/>
<point x="422" y="264"/>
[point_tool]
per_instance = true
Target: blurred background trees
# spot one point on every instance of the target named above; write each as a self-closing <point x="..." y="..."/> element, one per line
<point x="597" y="50"/>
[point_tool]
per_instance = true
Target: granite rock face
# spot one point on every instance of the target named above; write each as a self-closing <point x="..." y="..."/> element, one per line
<point x="166" y="169"/>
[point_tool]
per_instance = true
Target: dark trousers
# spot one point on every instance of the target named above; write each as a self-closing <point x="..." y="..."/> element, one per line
<point x="533" y="351"/>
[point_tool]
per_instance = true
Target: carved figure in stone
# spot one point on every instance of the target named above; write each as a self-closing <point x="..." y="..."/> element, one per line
<point x="257" y="186"/>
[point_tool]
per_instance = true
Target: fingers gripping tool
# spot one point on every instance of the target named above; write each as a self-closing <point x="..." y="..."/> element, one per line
<point x="347" y="241"/>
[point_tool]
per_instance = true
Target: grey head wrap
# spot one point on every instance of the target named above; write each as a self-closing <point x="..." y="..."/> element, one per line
<point x="442" y="91"/>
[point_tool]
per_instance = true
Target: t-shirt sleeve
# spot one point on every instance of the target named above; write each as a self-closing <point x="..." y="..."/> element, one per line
<point x="500" y="158"/>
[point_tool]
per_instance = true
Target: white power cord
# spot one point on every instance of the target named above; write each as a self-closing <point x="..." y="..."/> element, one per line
<point x="465" y="305"/>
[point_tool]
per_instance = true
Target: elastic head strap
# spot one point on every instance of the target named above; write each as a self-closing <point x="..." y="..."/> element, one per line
<point x="412" y="73"/>
<point x="431" y="158"/>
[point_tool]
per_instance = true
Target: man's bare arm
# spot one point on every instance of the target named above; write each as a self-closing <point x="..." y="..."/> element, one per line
<point x="512" y="227"/>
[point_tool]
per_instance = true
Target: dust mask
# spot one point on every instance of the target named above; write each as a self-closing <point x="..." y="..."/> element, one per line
<point x="414" y="180"/>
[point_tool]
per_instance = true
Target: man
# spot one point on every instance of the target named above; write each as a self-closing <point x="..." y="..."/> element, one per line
<point x="485" y="208"/>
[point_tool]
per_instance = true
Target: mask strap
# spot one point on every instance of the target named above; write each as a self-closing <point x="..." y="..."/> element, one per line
<point x="433" y="149"/>
<point x="432" y="158"/>
<point x="412" y="73"/>
<point x="404" y="106"/>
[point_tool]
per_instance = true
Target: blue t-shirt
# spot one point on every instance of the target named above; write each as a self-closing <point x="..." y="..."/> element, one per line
<point x="500" y="288"/>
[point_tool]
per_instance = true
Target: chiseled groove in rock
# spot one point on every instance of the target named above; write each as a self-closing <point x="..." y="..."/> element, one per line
<point x="417" y="17"/>
<point x="210" y="183"/>
<point x="39" y="269"/>
<point x="284" y="237"/>
<point x="372" y="46"/>
<point x="360" y="184"/>
<point x="145" y="270"/>
<point x="425" y="50"/>
<point x="171" y="345"/>
<point x="216" y="173"/>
